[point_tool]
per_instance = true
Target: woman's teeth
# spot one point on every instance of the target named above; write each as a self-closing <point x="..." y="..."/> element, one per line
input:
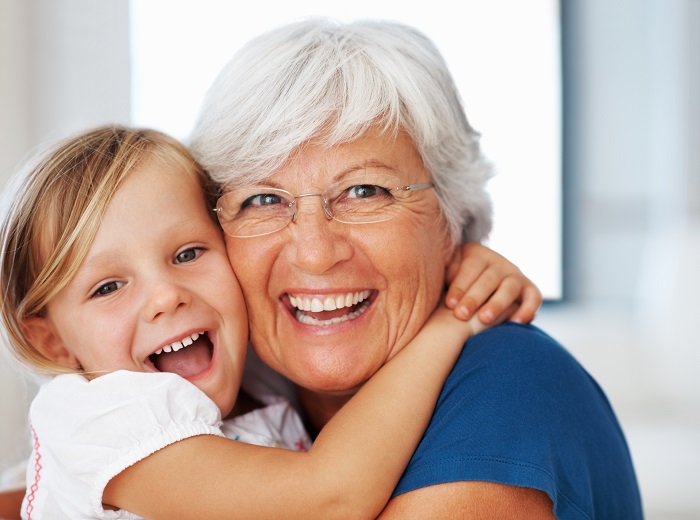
<point x="329" y="303"/>
<point x="177" y="345"/>
<point x="310" y="320"/>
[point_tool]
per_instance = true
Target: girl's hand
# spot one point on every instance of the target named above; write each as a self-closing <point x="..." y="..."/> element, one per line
<point x="481" y="279"/>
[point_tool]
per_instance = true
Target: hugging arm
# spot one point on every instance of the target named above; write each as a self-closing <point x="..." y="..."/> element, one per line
<point x="482" y="279"/>
<point x="475" y="500"/>
<point x="350" y="471"/>
<point x="10" y="504"/>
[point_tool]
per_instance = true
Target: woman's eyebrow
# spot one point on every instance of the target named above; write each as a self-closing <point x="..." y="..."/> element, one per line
<point x="348" y="171"/>
<point x="370" y="163"/>
<point x="264" y="183"/>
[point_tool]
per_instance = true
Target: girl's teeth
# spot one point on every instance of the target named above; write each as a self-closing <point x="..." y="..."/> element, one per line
<point x="178" y="345"/>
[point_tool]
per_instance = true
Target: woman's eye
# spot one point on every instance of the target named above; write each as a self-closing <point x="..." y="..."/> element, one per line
<point x="107" y="288"/>
<point x="364" y="191"/>
<point x="188" y="255"/>
<point x="262" y="199"/>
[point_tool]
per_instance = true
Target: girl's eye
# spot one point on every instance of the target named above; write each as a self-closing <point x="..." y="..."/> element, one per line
<point x="107" y="288"/>
<point x="188" y="255"/>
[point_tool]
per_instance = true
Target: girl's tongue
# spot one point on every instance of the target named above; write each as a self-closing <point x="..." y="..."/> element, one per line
<point x="186" y="362"/>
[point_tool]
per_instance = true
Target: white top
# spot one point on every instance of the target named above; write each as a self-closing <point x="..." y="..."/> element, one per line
<point x="87" y="432"/>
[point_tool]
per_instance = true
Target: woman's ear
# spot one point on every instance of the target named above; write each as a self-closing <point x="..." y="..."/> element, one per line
<point x="42" y="336"/>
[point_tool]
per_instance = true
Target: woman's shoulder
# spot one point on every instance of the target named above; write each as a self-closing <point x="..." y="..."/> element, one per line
<point x="519" y="409"/>
<point x="513" y="336"/>
<point x="520" y="369"/>
<point x="514" y="350"/>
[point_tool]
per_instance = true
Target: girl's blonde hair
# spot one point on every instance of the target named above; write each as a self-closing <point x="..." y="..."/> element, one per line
<point x="51" y="214"/>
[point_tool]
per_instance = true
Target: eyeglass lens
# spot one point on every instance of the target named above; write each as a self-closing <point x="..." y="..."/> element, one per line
<point x="258" y="210"/>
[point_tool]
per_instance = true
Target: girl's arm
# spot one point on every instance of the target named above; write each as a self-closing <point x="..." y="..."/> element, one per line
<point x="350" y="472"/>
<point x="11" y="504"/>
<point x="481" y="278"/>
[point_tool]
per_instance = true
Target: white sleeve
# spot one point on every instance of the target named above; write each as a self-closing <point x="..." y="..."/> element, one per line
<point x="87" y="432"/>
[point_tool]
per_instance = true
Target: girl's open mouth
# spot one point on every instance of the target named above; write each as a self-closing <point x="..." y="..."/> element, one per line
<point x="188" y="357"/>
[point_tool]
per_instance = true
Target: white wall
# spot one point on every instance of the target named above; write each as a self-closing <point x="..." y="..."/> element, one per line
<point x="633" y="232"/>
<point x="633" y="116"/>
<point x="64" y="66"/>
<point x="633" y="199"/>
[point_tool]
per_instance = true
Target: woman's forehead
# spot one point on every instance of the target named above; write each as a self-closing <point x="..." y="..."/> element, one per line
<point x="317" y="165"/>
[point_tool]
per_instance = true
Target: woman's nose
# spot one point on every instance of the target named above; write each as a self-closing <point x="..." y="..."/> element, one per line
<point x="317" y="242"/>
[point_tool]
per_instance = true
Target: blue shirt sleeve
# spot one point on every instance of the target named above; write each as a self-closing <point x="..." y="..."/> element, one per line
<point x="518" y="409"/>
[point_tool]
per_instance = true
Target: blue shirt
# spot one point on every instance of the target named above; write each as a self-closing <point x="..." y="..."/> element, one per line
<point x="518" y="409"/>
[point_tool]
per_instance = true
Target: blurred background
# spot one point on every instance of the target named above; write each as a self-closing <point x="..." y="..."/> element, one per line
<point x="622" y="122"/>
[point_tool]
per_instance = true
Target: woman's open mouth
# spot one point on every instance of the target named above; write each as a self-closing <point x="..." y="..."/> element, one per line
<point x="329" y="309"/>
<point x="187" y="357"/>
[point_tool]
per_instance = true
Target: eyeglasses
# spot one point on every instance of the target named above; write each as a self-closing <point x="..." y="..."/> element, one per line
<point x="259" y="210"/>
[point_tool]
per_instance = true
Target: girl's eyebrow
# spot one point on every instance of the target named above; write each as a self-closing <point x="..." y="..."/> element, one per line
<point x="92" y="264"/>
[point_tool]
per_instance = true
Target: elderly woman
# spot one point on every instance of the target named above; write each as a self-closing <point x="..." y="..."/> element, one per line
<point x="349" y="175"/>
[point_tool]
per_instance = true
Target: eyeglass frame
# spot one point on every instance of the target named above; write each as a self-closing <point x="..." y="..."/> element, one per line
<point x="324" y="204"/>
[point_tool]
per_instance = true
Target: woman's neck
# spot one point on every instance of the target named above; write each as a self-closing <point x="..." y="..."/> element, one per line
<point x="319" y="408"/>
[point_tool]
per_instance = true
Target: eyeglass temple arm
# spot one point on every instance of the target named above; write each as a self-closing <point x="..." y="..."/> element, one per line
<point x="414" y="187"/>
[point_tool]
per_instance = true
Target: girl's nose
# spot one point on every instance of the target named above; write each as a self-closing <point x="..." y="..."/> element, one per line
<point x="165" y="297"/>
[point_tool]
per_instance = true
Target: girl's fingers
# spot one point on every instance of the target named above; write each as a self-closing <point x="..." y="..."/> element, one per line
<point x="531" y="302"/>
<point x="505" y="294"/>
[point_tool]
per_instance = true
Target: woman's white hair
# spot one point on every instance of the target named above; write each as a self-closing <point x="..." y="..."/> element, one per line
<point x="331" y="82"/>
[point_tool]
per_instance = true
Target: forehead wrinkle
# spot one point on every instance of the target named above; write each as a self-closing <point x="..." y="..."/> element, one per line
<point x="346" y="172"/>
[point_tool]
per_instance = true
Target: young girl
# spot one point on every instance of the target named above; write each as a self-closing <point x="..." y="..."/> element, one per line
<point x="115" y="278"/>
